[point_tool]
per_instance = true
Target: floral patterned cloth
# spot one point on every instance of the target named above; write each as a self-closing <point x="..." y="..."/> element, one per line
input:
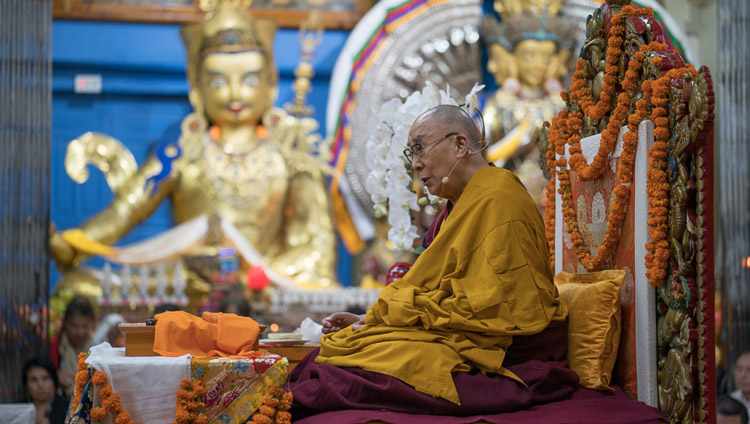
<point x="234" y="387"/>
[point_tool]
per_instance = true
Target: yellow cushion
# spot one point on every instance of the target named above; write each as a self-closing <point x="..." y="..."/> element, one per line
<point x="594" y="319"/>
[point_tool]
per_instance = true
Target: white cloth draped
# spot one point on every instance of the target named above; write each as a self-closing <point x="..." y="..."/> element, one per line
<point x="147" y="385"/>
<point x="17" y="413"/>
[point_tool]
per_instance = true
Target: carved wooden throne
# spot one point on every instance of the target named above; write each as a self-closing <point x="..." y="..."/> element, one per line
<point x="664" y="178"/>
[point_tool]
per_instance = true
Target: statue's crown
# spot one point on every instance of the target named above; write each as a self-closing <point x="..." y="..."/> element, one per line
<point x="506" y="8"/>
<point x="226" y="27"/>
<point x="529" y="20"/>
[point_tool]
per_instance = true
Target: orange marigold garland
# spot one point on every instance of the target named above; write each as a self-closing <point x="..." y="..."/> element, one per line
<point x="275" y="408"/>
<point x="566" y="127"/>
<point x="624" y="172"/>
<point x="581" y="93"/>
<point x="98" y="414"/>
<point x="657" y="185"/>
<point x="110" y="402"/>
<point x="82" y="377"/>
<point x="565" y="131"/>
<point x="189" y="405"/>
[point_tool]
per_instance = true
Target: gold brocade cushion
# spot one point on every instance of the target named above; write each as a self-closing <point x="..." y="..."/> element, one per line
<point x="593" y="301"/>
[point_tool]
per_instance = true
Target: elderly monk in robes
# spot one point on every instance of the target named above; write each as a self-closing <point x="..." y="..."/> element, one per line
<point x="476" y="325"/>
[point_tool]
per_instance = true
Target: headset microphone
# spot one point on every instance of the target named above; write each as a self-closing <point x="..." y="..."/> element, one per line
<point x="447" y="177"/>
<point x="469" y="152"/>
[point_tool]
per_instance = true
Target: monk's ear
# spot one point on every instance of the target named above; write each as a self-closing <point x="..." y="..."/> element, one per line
<point x="463" y="146"/>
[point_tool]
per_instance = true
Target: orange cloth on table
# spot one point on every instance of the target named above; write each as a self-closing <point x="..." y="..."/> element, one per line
<point x="215" y="334"/>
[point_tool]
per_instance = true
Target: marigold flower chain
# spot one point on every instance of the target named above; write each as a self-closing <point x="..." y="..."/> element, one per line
<point x="621" y="199"/>
<point x="657" y="185"/>
<point x="81" y="379"/>
<point x="189" y="406"/>
<point x="581" y="93"/>
<point x="110" y="402"/>
<point x="275" y="408"/>
<point x="565" y="132"/>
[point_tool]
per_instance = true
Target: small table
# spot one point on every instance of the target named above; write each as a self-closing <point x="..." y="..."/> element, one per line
<point x="293" y="353"/>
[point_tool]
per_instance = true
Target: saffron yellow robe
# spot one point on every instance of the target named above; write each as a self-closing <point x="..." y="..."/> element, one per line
<point x="484" y="279"/>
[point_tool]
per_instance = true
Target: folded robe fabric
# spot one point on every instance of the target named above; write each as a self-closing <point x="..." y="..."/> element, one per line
<point x="214" y="334"/>
<point x="484" y="279"/>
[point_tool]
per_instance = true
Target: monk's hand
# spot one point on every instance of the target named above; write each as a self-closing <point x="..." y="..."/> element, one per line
<point x="339" y="320"/>
<point x="359" y="324"/>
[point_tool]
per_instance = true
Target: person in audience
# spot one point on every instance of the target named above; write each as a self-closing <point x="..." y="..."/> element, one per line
<point x="730" y="411"/>
<point x="75" y="337"/>
<point x="742" y="379"/>
<point x="42" y="386"/>
<point x="235" y="304"/>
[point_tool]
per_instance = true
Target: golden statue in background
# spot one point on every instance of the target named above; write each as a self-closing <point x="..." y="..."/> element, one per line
<point x="254" y="165"/>
<point x="529" y="54"/>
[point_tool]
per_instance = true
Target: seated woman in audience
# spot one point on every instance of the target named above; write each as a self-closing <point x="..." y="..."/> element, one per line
<point x="41" y="384"/>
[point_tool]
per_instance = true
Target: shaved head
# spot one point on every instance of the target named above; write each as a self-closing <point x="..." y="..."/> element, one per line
<point x="445" y="167"/>
<point x="451" y="117"/>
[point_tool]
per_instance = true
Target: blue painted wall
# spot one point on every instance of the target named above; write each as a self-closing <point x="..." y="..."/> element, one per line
<point x="143" y="101"/>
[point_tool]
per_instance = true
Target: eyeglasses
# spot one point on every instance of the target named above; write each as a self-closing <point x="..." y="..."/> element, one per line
<point x="418" y="150"/>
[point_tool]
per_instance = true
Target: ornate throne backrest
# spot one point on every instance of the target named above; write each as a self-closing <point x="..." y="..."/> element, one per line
<point x="646" y="202"/>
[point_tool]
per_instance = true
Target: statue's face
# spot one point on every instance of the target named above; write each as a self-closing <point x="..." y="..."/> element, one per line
<point x="497" y="55"/>
<point x="235" y="87"/>
<point x="532" y="58"/>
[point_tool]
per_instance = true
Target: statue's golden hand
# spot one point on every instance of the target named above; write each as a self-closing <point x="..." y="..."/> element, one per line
<point x="62" y="252"/>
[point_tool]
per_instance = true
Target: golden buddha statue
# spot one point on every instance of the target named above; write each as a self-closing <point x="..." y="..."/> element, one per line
<point x="529" y="53"/>
<point x="238" y="157"/>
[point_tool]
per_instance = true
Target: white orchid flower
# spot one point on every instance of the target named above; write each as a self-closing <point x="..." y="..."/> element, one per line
<point x="389" y="182"/>
<point x="431" y="95"/>
<point x="388" y="110"/>
<point x="471" y="99"/>
<point x="403" y="238"/>
<point x="445" y="96"/>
